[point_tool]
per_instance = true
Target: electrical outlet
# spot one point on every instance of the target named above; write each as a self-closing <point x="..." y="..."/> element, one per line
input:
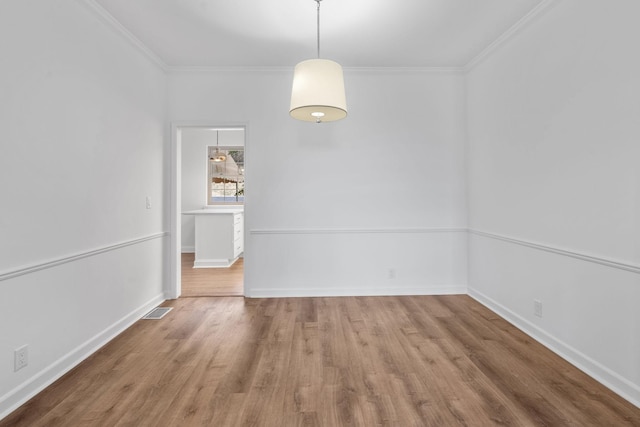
<point x="391" y="274"/>
<point x="537" y="308"/>
<point x="148" y="201"/>
<point x="20" y="358"/>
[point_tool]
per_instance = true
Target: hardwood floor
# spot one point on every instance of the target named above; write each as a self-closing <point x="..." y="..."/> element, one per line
<point x="361" y="361"/>
<point x="199" y="282"/>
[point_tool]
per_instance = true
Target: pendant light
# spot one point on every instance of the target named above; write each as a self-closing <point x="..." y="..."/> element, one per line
<point x="219" y="157"/>
<point x="317" y="94"/>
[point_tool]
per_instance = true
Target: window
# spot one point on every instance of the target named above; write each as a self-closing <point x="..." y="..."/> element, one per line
<point x="225" y="180"/>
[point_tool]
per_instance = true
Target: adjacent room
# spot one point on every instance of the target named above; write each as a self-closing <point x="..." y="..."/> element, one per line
<point x="211" y="178"/>
<point x="447" y="232"/>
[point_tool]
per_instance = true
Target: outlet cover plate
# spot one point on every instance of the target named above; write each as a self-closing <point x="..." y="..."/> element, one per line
<point x="20" y="358"/>
<point x="537" y="308"/>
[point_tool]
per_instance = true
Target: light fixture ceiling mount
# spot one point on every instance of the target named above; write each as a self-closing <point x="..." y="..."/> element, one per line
<point x="318" y="94"/>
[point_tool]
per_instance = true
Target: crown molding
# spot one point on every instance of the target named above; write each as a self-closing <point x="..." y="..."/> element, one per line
<point x="282" y="69"/>
<point x="408" y="70"/>
<point x="525" y="21"/>
<point x="514" y="30"/>
<point x="232" y="69"/>
<point x="112" y="22"/>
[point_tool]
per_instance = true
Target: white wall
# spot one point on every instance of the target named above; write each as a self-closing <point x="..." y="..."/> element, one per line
<point x="554" y="185"/>
<point x="83" y="144"/>
<point x="194" y="143"/>
<point x="329" y="207"/>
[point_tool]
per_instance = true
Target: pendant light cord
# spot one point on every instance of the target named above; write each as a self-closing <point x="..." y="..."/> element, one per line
<point x="318" y="22"/>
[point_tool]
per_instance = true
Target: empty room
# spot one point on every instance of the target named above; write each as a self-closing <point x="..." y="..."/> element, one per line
<point x="432" y="208"/>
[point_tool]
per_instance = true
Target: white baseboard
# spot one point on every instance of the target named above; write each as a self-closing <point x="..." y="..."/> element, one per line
<point x="38" y="382"/>
<point x="213" y="263"/>
<point x="342" y="292"/>
<point x="188" y="250"/>
<point x="604" y="375"/>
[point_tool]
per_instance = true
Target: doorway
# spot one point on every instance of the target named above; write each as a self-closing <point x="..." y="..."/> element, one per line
<point x="190" y="191"/>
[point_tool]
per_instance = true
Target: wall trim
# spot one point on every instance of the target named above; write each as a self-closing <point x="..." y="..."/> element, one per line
<point x="349" y="230"/>
<point x="59" y="261"/>
<point x="232" y="69"/>
<point x="214" y="263"/>
<point x="525" y="21"/>
<point x="41" y="380"/>
<point x="559" y="251"/>
<point x="332" y="291"/>
<point x="407" y="70"/>
<point x="601" y="373"/>
<point x="112" y="22"/>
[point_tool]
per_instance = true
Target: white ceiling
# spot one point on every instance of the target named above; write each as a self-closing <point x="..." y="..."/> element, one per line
<point x="355" y="33"/>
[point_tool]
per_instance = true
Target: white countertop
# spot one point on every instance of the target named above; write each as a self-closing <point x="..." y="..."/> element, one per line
<point x="215" y="211"/>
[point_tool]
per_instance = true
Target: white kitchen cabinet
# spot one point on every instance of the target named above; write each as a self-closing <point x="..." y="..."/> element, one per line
<point x="219" y="237"/>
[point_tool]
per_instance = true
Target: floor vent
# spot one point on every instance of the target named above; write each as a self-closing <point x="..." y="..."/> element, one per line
<point x="157" y="313"/>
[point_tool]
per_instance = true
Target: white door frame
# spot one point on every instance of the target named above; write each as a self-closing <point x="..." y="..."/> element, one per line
<point x="175" y="211"/>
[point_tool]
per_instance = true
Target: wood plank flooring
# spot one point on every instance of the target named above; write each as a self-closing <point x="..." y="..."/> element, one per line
<point x="350" y="361"/>
<point x="200" y="282"/>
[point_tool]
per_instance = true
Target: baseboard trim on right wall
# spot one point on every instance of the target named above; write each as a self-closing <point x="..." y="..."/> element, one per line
<point x="604" y="375"/>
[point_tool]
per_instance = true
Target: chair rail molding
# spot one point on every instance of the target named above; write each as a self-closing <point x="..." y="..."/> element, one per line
<point x="10" y="274"/>
<point x="350" y="230"/>
<point x="560" y="251"/>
